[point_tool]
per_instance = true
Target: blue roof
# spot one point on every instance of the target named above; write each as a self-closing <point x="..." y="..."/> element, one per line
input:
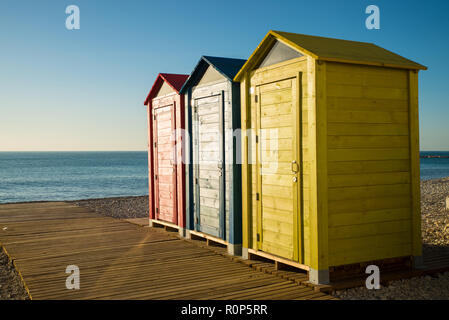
<point x="228" y="67"/>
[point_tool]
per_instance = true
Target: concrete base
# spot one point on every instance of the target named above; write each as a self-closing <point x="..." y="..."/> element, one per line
<point x="319" y="276"/>
<point x="150" y="224"/>
<point x="418" y="262"/>
<point x="234" y="249"/>
<point x="245" y="254"/>
<point x="182" y="232"/>
<point x="187" y="234"/>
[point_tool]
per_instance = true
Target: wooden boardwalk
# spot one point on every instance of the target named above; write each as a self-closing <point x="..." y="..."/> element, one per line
<point x="121" y="260"/>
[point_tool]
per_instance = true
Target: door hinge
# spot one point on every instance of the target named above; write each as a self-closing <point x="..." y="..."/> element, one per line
<point x="196" y="180"/>
<point x="256" y="98"/>
<point x="258" y="237"/>
<point x="157" y="210"/>
<point x="155" y="144"/>
<point x="257" y="196"/>
<point x="154" y="117"/>
<point x="257" y="139"/>
<point x="196" y="220"/>
<point x="155" y="177"/>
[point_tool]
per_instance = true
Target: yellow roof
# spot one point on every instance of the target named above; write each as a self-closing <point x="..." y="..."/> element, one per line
<point x="337" y="50"/>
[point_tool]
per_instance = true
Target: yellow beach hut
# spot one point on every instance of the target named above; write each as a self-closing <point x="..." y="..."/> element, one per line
<point x="330" y="153"/>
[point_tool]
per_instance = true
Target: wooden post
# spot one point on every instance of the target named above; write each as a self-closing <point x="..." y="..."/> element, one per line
<point x="319" y="273"/>
<point x="414" y="164"/>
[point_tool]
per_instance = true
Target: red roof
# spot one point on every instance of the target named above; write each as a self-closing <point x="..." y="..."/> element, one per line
<point x="176" y="81"/>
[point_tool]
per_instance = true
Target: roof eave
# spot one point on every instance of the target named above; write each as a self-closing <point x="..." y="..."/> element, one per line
<point x="416" y="66"/>
<point x="261" y="46"/>
<point x="160" y="77"/>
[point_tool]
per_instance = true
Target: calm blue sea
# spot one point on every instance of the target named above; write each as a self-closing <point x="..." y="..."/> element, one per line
<point x="36" y="176"/>
<point x="434" y="168"/>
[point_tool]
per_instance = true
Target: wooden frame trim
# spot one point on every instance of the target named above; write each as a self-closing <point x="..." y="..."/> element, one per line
<point x="259" y="234"/>
<point x="208" y="237"/>
<point x="222" y="163"/>
<point x="278" y="65"/>
<point x="279" y="259"/>
<point x="376" y="64"/>
<point x="321" y="163"/>
<point x="190" y="223"/>
<point x="165" y="224"/>
<point x="298" y="233"/>
<point x="318" y="205"/>
<point x="245" y="114"/>
<point x="155" y="165"/>
<point x="150" y="162"/>
<point x="235" y="201"/>
<point x="414" y="163"/>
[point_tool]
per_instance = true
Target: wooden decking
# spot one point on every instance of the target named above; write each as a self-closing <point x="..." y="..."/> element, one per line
<point x="122" y="260"/>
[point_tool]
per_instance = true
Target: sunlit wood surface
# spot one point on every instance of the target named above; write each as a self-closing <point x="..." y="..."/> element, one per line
<point x="121" y="260"/>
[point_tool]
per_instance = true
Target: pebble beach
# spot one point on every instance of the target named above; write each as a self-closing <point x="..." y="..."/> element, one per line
<point x="435" y="233"/>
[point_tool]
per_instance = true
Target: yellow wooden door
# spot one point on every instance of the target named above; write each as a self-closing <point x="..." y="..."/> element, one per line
<point x="278" y="168"/>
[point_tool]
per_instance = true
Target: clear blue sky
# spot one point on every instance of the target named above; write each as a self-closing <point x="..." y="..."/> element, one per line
<point x="84" y="89"/>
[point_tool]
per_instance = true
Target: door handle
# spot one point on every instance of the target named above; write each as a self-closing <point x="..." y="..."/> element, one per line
<point x="295" y="167"/>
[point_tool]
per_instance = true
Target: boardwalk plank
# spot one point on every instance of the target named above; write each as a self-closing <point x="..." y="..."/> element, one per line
<point x="122" y="260"/>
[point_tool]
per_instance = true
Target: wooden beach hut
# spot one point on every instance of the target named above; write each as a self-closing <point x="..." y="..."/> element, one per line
<point x="330" y="159"/>
<point x="213" y="180"/>
<point x="165" y="108"/>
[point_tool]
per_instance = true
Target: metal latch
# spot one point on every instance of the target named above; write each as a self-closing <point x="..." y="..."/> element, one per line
<point x="258" y="237"/>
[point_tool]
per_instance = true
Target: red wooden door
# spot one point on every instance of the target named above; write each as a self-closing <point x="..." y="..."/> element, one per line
<point x="165" y="164"/>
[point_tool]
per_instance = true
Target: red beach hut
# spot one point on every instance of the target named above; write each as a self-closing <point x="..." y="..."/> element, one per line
<point x="165" y="109"/>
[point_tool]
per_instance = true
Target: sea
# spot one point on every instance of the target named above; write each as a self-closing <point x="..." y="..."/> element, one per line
<point x="55" y="176"/>
<point x="435" y="167"/>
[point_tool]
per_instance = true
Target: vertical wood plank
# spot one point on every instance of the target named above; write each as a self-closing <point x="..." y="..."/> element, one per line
<point x="173" y="164"/>
<point x="189" y="161"/>
<point x="258" y="169"/>
<point x="321" y="165"/>
<point x="246" y="176"/>
<point x="313" y="216"/>
<point x="180" y="163"/>
<point x="222" y="163"/>
<point x="156" y="167"/>
<point x="297" y="218"/>
<point x="235" y="210"/>
<point x="196" y="166"/>
<point x="414" y="163"/>
<point x="150" y="162"/>
<point x="318" y="165"/>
